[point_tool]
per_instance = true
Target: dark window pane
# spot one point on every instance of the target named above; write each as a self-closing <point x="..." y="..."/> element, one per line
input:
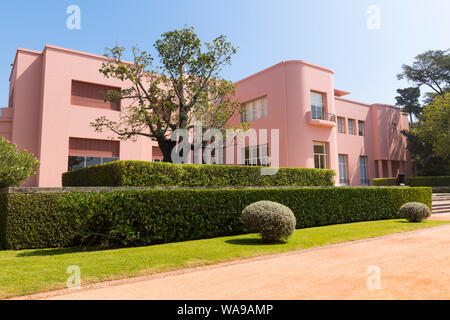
<point x="106" y="160"/>
<point x="316" y="161"/>
<point x="319" y="148"/>
<point x="76" y="163"/>
<point x="92" y="161"/>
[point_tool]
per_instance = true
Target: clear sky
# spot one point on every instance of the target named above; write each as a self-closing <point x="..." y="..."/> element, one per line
<point x="366" y="53"/>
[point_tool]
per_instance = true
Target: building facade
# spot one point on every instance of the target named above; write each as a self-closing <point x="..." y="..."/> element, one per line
<point x="55" y="94"/>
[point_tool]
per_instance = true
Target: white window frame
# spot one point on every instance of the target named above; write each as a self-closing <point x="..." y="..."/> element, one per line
<point x="255" y="109"/>
<point x="364" y="170"/>
<point x="343" y="169"/>
<point x="257" y="155"/>
<point x="361" y="127"/>
<point x="321" y="155"/>
<point x="351" y="126"/>
<point x="317" y="108"/>
<point x="341" y="124"/>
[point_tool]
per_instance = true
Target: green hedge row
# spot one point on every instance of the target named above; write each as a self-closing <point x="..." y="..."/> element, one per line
<point x="426" y="181"/>
<point x="151" y="174"/>
<point x="150" y="216"/>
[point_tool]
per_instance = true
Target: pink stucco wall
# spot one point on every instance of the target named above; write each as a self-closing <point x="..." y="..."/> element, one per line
<point x="43" y="118"/>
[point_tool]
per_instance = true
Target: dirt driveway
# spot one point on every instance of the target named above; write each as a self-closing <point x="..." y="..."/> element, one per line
<point x="410" y="265"/>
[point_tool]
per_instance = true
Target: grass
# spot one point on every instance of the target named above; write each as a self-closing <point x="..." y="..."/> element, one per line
<point x="31" y="271"/>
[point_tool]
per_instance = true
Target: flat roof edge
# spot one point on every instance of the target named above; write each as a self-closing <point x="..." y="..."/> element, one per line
<point x="283" y="63"/>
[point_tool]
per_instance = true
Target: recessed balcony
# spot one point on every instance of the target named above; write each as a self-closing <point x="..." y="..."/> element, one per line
<point x="323" y="119"/>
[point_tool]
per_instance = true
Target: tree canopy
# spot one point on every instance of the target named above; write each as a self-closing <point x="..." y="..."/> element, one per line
<point x="408" y="99"/>
<point x="428" y="139"/>
<point x="434" y="127"/>
<point x="185" y="86"/>
<point x="431" y="68"/>
<point x="15" y="166"/>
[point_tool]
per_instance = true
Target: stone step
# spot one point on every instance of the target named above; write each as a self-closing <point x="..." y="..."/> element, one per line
<point x="441" y="203"/>
<point x="440" y="207"/>
<point x="440" y="211"/>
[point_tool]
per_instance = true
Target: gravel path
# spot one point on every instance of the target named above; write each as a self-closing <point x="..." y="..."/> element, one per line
<point x="411" y="265"/>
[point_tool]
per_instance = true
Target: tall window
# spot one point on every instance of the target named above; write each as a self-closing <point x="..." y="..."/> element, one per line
<point x="341" y="124"/>
<point x="318" y="105"/>
<point x="351" y="126"/>
<point x="157" y="155"/>
<point x="92" y="95"/>
<point x="363" y="170"/>
<point x="321" y="155"/>
<point x="256" y="155"/>
<point x="343" y="170"/>
<point x="361" y="128"/>
<point x="89" y="152"/>
<point x="255" y="110"/>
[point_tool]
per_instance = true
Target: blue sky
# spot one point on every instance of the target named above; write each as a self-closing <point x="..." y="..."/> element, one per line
<point x="331" y="33"/>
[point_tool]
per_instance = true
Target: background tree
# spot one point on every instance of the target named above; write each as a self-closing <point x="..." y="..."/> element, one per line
<point x="431" y="68"/>
<point x="434" y="127"/>
<point x="15" y="166"/>
<point x="408" y="100"/>
<point x="427" y="163"/>
<point x="427" y="136"/>
<point x="185" y="86"/>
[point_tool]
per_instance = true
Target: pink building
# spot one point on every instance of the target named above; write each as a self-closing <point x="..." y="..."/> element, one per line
<point x="56" y="93"/>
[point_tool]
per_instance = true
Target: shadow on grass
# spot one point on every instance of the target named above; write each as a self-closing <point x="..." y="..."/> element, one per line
<point x="407" y="222"/>
<point x="53" y="252"/>
<point x="252" y="242"/>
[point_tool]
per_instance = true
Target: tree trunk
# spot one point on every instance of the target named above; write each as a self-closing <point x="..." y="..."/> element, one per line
<point x="166" y="149"/>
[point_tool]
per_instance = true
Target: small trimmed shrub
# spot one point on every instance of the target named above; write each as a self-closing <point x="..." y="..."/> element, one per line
<point x="428" y="181"/>
<point x="414" y="211"/>
<point x="153" y="174"/>
<point x="15" y="166"/>
<point x="271" y="219"/>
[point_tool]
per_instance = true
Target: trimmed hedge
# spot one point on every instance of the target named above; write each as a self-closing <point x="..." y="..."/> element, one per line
<point x="426" y="181"/>
<point x="152" y="174"/>
<point x="150" y="216"/>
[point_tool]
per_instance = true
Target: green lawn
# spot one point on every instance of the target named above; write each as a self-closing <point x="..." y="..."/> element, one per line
<point x="30" y="271"/>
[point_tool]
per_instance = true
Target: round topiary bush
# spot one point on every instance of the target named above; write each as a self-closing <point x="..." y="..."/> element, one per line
<point x="414" y="211"/>
<point x="272" y="220"/>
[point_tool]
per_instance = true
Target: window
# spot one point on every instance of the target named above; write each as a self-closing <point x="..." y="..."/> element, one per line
<point x="157" y="155"/>
<point x="341" y="124"/>
<point x="318" y="105"/>
<point x="351" y="126"/>
<point x="255" y="110"/>
<point x="361" y="128"/>
<point x="78" y="162"/>
<point x="256" y="156"/>
<point x="92" y="95"/>
<point x="320" y="155"/>
<point x="89" y="152"/>
<point x="363" y="170"/>
<point x="343" y="170"/>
